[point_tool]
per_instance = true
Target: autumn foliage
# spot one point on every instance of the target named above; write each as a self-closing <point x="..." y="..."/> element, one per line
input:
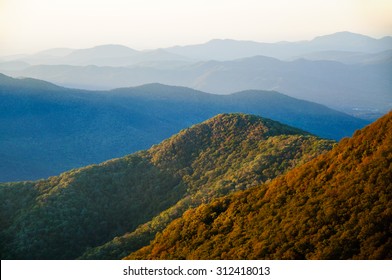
<point x="337" y="206"/>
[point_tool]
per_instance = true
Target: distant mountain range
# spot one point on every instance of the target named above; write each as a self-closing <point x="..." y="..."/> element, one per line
<point x="63" y="216"/>
<point x="232" y="49"/>
<point x="337" y="206"/>
<point x="345" y="71"/>
<point x="217" y="49"/>
<point x="46" y="129"/>
<point x="350" y="58"/>
<point x="104" y="55"/>
<point x="349" y="88"/>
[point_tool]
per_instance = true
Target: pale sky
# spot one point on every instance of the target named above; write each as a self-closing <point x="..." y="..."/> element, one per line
<point x="27" y="26"/>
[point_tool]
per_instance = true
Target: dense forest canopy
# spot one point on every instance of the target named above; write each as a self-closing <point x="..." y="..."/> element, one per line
<point x="68" y="216"/>
<point x="337" y="206"/>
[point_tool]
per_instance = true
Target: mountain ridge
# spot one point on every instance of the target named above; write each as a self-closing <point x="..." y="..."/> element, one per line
<point x="40" y="126"/>
<point x="357" y="82"/>
<point x="87" y="207"/>
<point x="235" y="49"/>
<point x="336" y="206"/>
<point x="346" y="87"/>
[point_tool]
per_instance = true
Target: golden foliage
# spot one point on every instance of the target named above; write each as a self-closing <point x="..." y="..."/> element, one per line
<point x="337" y="206"/>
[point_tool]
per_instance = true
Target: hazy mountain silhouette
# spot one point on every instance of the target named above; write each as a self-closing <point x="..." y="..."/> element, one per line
<point x="384" y="57"/>
<point x="104" y="55"/>
<point x="363" y="89"/>
<point x="50" y="56"/>
<point x="233" y="49"/>
<point x="216" y="49"/>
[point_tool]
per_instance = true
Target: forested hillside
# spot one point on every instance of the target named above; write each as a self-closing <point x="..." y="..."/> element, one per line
<point x="66" y="216"/>
<point x="337" y="206"/>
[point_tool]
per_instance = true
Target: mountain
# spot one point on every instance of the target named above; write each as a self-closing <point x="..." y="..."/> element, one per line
<point x="103" y="55"/>
<point x="337" y="206"/>
<point x="384" y="57"/>
<point x="349" y="88"/>
<point x="348" y="41"/>
<point x="63" y="216"/>
<point x="216" y="49"/>
<point x="10" y="66"/>
<point x="232" y="49"/>
<point x="86" y="56"/>
<point x="345" y="71"/>
<point x="46" y="129"/>
<point x="117" y="55"/>
<point x="49" y="56"/>
<point x="354" y="89"/>
<point x="56" y="52"/>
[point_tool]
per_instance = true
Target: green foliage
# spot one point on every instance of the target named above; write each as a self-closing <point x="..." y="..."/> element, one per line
<point x="337" y="206"/>
<point x="85" y="207"/>
<point x="225" y="154"/>
<point x="107" y="210"/>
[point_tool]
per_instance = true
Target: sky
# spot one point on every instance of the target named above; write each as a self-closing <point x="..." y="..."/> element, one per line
<point x="28" y="26"/>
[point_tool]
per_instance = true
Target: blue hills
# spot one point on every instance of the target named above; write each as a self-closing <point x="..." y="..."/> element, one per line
<point x="47" y="129"/>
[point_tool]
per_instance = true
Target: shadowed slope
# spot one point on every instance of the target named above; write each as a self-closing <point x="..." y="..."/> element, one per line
<point x="46" y="129"/>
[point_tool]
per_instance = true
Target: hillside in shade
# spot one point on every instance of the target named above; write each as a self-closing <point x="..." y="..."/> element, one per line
<point x="134" y="197"/>
<point x="337" y="206"/>
<point x="46" y="129"/>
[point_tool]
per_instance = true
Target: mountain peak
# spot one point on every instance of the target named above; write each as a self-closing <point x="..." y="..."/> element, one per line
<point x="113" y="47"/>
<point x="227" y="130"/>
<point x="55" y="52"/>
<point x="27" y="83"/>
<point x="343" y="35"/>
<point x="249" y="124"/>
<point x="102" y="51"/>
<point x="348" y="41"/>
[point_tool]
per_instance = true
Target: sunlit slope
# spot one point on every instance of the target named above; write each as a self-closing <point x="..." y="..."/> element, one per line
<point x="337" y="206"/>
